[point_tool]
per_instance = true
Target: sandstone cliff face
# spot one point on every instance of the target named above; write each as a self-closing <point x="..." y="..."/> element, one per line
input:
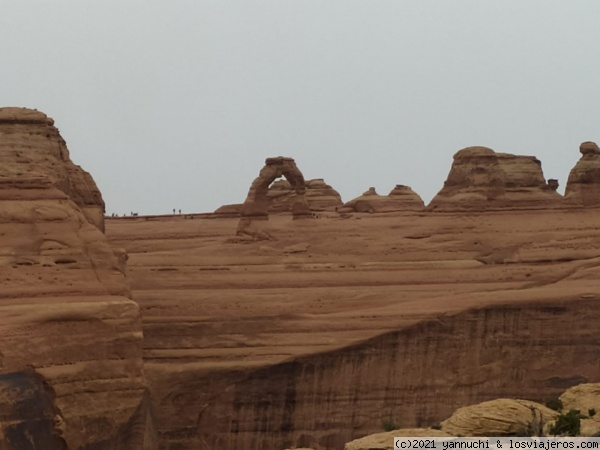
<point x="401" y="198"/>
<point x="65" y="307"/>
<point x="393" y="317"/>
<point x="482" y="179"/>
<point x="583" y="185"/>
<point x="416" y="376"/>
<point x="31" y="145"/>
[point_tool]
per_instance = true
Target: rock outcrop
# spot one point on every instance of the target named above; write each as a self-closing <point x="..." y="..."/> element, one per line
<point x="281" y="197"/>
<point x="500" y="417"/>
<point x="481" y="179"/>
<point x="583" y="184"/>
<point x="319" y="196"/>
<point x="66" y="314"/>
<point x="385" y="441"/>
<point x="584" y="398"/>
<point x="401" y="198"/>
<point x="33" y="155"/>
<point x="256" y="206"/>
<point x="393" y="316"/>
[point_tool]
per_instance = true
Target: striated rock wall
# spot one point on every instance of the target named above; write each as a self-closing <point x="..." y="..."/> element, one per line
<point x="413" y="377"/>
<point x="394" y="317"/>
<point x="66" y="311"/>
<point x="482" y="179"/>
<point x="33" y="152"/>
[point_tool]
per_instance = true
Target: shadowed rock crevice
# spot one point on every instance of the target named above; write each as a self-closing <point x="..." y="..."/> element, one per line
<point x="29" y="416"/>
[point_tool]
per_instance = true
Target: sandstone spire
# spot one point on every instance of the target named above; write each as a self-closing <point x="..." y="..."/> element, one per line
<point x="583" y="185"/>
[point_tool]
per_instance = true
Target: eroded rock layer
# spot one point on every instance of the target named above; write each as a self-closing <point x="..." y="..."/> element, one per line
<point x="401" y="198"/>
<point x="481" y="179"/>
<point x="65" y="307"/>
<point x="34" y="154"/>
<point x="319" y="196"/>
<point x="395" y="317"/>
<point x="281" y="196"/>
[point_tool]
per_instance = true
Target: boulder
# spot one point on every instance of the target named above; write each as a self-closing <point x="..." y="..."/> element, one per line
<point x="482" y="179"/>
<point x="583" y="184"/>
<point x="501" y="417"/>
<point x="385" y="441"/>
<point x="586" y="399"/>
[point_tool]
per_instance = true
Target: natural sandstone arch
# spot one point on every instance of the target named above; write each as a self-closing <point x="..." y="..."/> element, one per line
<point x="256" y="206"/>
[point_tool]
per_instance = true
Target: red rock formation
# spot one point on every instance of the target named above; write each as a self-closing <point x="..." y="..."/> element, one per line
<point x="319" y="196"/>
<point x="30" y="144"/>
<point x="395" y="316"/>
<point x="65" y="306"/>
<point x="482" y="179"/>
<point x="256" y="206"/>
<point x="583" y="185"/>
<point x="401" y="198"/>
<point x="281" y="196"/>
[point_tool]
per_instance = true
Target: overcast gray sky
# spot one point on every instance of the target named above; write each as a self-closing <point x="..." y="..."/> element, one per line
<point x="176" y="104"/>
